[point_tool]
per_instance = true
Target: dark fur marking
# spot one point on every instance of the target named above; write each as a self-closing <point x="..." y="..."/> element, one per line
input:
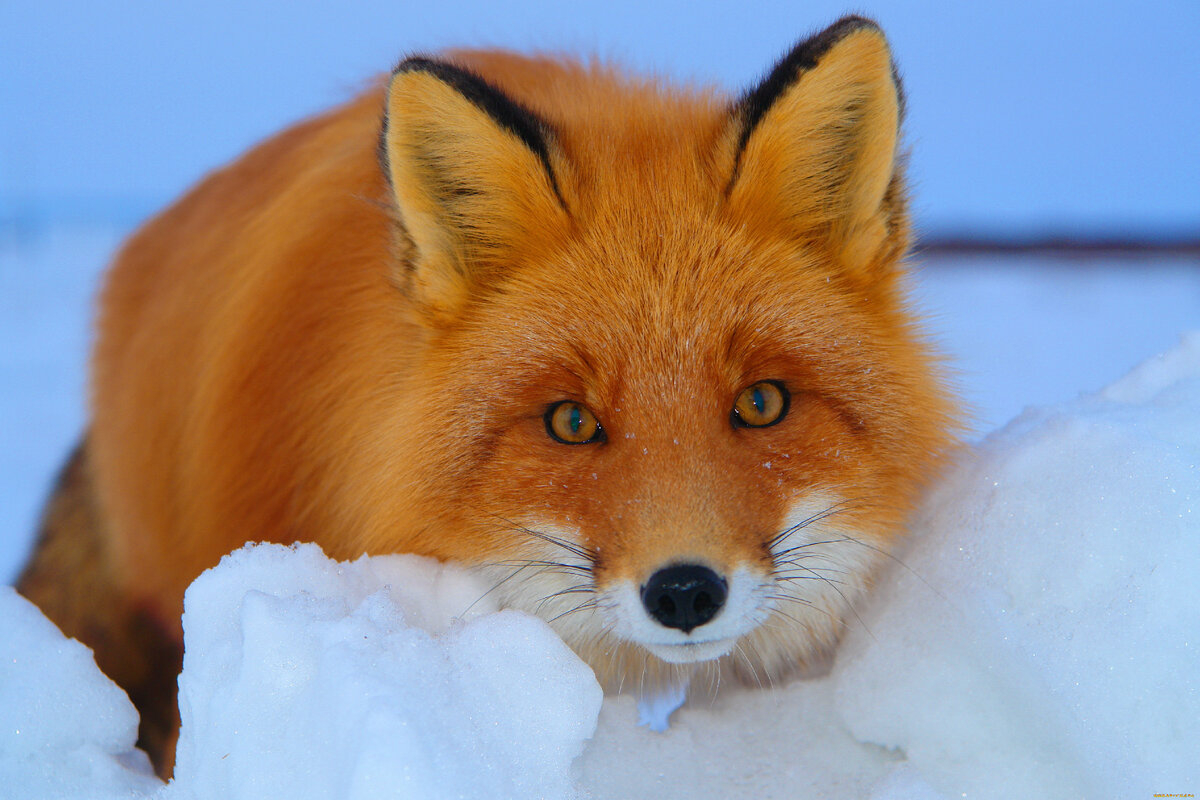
<point x="71" y="577"/>
<point x="755" y="103"/>
<point x="531" y="129"/>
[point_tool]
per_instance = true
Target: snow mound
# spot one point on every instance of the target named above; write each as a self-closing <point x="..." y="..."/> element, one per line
<point x="1042" y="637"/>
<point x="306" y="678"/>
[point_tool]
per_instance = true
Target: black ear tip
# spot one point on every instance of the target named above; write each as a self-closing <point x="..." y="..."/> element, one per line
<point x="821" y="42"/>
<point x="852" y="23"/>
<point x="804" y="56"/>
<point x="444" y="71"/>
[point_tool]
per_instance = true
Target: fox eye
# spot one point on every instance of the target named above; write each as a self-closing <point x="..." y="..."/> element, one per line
<point x="571" y="423"/>
<point x="760" y="405"/>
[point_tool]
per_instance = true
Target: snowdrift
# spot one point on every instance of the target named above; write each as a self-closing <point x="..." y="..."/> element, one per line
<point x="1039" y="636"/>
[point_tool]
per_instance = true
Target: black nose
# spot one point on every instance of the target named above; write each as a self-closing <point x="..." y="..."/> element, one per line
<point x="684" y="597"/>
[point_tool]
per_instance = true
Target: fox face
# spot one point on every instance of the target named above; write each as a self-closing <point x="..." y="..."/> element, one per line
<point x="670" y="399"/>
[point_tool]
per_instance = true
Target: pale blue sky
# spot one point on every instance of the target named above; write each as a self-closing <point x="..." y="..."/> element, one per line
<point x="1024" y="116"/>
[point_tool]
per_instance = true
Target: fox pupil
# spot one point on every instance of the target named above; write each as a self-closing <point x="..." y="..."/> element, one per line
<point x="575" y="420"/>
<point x="760" y="402"/>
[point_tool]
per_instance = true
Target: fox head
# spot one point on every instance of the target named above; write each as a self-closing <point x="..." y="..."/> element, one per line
<point x="670" y="397"/>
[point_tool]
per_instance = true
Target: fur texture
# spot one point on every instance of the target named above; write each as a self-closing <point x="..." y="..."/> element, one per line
<point x="352" y="336"/>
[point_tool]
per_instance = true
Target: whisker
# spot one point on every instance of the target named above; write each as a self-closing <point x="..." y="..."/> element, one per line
<point x="737" y="648"/>
<point x="894" y="558"/>
<point x="793" y="567"/>
<point x="586" y="604"/>
<point x="807" y="604"/>
<point x="841" y="594"/>
<point x="797" y="548"/>
<point x="557" y="541"/>
<point x="836" y="508"/>
<point x="578" y="588"/>
<point x="559" y="566"/>
<point x="496" y="586"/>
<point x="774" y="623"/>
<point x="813" y="577"/>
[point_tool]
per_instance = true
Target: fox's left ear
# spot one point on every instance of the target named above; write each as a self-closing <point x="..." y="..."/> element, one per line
<point x="814" y="149"/>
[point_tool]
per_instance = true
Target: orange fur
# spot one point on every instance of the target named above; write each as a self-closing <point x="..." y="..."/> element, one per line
<point x="310" y="346"/>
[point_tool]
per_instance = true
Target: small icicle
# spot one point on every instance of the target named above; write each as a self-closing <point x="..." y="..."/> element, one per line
<point x="655" y="710"/>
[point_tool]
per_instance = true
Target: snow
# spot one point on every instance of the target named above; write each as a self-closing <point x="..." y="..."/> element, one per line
<point x="1036" y="638"/>
<point x="1052" y="594"/>
<point x="305" y="678"/>
<point x="65" y="729"/>
<point x="379" y="678"/>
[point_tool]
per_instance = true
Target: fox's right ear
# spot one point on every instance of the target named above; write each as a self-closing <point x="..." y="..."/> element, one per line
<point x="472" y="178"/>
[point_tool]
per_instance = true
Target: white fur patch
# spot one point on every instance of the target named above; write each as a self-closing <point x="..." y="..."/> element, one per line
<point x="551" y="581"/>
<point x="822" y="567"/>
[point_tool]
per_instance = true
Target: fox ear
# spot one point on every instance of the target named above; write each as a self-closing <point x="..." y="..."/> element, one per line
<point x="471" y="177"/>
<point x="814" y="149"/>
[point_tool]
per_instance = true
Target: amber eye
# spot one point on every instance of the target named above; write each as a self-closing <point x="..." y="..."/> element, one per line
<point x="572" y="423"/>
<point x="760" y="404"/>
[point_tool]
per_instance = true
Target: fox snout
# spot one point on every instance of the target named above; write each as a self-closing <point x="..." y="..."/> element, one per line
<point x="684" y="615"/>
<point x="687" y="611"/>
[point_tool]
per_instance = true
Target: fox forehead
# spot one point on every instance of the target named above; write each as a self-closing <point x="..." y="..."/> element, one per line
<point x="615" y="321"/>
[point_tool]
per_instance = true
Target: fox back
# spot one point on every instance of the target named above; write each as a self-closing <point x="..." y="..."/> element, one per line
<point x="639" y="353"/>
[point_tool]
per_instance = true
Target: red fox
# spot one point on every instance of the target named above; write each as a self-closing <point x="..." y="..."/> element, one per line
<point x="638" y="353"/>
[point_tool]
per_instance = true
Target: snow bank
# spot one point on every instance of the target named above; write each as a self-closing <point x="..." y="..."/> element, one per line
<point x="1043" y="635"/>
<point x="1037" y="638"/>
<point x="306" y="678"/>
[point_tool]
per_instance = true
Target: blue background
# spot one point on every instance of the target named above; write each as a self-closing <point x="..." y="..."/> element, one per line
<point x="1025" y="117"/>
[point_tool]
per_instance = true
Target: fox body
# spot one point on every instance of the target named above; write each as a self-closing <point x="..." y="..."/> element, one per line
<point x="639" y="353"/>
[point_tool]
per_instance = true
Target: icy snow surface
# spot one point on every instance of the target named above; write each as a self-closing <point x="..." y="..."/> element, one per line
<point x="1043" y="634"/>
<point x="306" y="678"/>
<point x="65" y="729"/>
<point x="1038" y="637"/>
<point x="318" y="679"/>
